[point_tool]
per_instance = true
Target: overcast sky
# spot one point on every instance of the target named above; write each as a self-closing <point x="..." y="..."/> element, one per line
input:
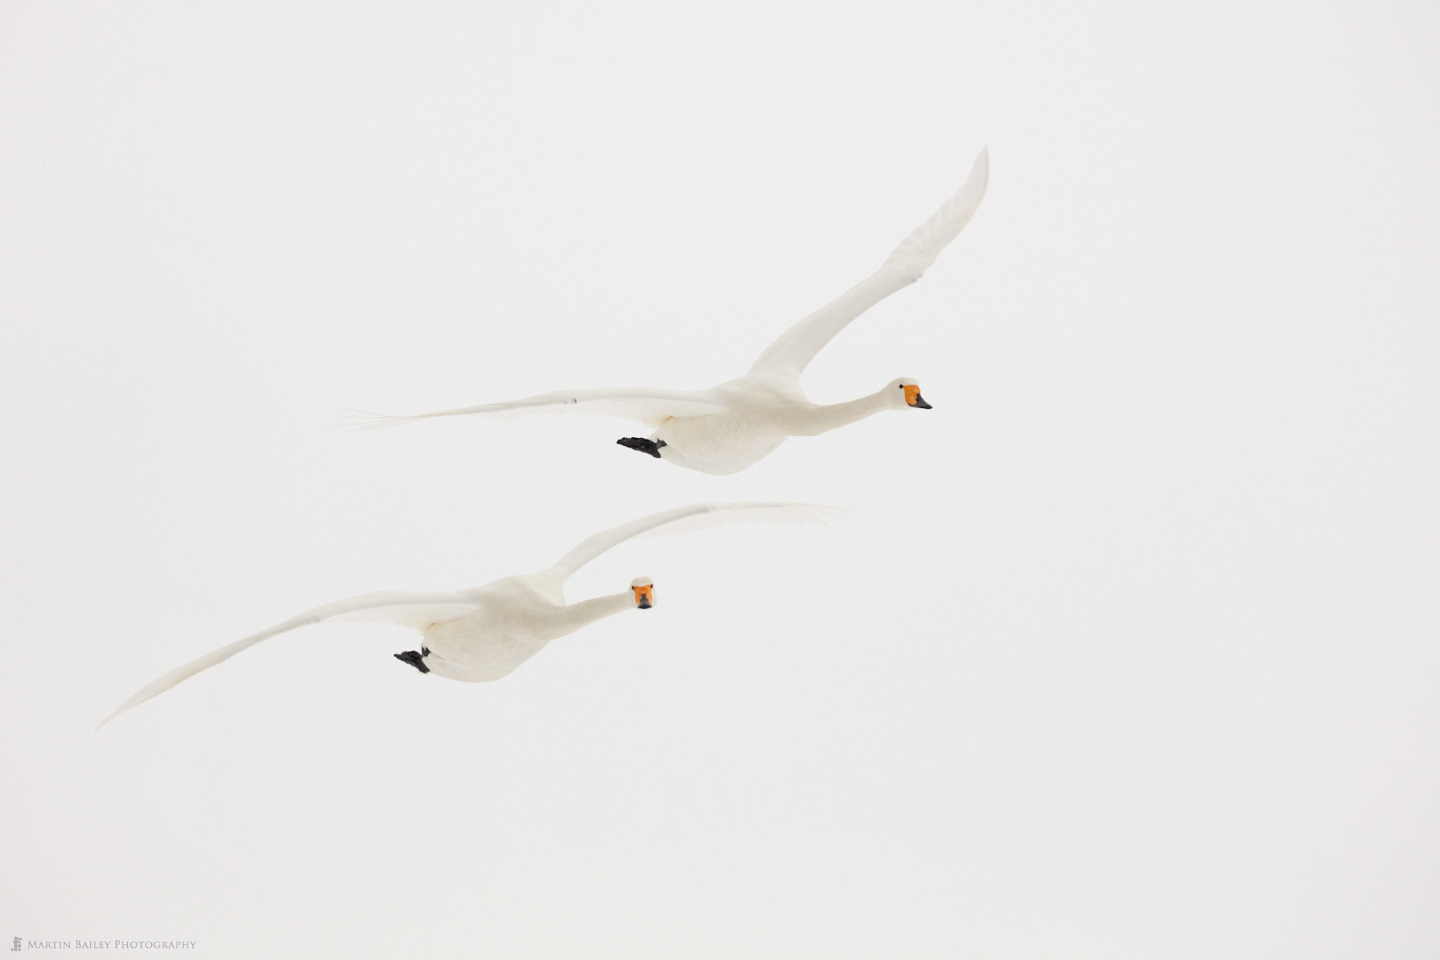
<point x="1127" y="649"/>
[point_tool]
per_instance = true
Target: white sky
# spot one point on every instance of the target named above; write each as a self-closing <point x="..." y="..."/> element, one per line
<point x="1127" y="650"/>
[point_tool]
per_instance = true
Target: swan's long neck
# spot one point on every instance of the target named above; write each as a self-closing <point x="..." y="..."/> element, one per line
<point x="819" y="419"/>
<point x="576" y="615"/>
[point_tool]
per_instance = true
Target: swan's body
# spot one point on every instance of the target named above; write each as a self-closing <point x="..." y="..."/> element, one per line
<point x="727" y="428"/>
<point x="512" y="620"/>
<point x="761" y="411"/>
<point x="486" y="632"/>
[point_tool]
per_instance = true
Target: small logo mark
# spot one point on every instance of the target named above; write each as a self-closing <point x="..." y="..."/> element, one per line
<point x="16" y="947"/>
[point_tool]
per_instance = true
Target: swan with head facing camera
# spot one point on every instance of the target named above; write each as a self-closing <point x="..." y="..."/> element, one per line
<point x="486" y="632"/>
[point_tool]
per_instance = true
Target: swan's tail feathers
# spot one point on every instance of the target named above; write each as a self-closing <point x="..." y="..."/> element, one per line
<point x="414" y="610"/>
<point x="686" y="519"/>
<point x="797" y="346"/>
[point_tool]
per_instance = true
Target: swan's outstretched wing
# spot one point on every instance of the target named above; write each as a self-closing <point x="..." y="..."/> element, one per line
<point x="683" y="519"/>
<point x="652" y="407"/>
<point x="416" y="610"/>
<point x="798" y="345"/>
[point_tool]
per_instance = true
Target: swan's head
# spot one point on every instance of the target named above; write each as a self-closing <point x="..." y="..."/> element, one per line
<point x="906" y="393"/>
<point x="644" y="589"/>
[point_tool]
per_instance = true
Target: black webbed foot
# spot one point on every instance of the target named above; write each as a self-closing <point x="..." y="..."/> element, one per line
<point x="651" y="447"/>
<point x="416" y="660"/>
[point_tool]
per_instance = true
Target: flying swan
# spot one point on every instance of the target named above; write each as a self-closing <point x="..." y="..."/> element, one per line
<point x="727" y="428"/>
<point x="486" y="632"/>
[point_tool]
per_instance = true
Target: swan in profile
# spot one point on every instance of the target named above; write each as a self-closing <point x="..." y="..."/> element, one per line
<point x="486" y="632"/>
<point x="727" y="428"/>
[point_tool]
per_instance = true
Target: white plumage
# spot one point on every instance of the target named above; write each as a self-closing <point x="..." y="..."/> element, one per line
<point x="729" y="427"/>
<point x="486" y="632"/>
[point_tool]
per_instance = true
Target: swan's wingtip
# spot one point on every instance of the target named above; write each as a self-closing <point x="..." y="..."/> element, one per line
<point x="134" y="701"/>
<point x="356" y="420"/>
